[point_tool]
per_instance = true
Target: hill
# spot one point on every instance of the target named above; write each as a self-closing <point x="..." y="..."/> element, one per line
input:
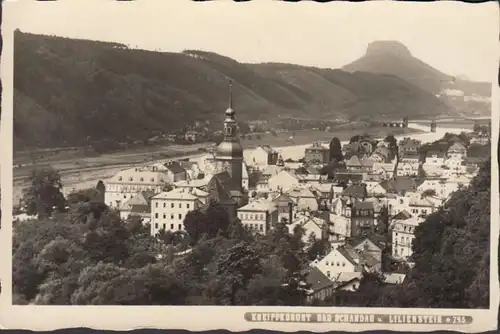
<point x="68" y="92"/>
<point x="392" y="57"/>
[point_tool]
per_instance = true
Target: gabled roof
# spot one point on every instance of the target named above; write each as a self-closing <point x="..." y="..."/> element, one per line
<point x="355" y="190"/>
<point x="399" y="184"/>
<point x="136" y="208"/>
<point x="347" y="277"/>
<point x="439" y="154"/>
<point x="422" y="202"/>
<point x="283" y="198"/>
<point x="376" y="240"/>
<point x="349" y="253"/>
<point x="317" y="280"/>
<point x="268" y="149"/>
<point x="402" y="215"/>
<point x="142" y="198"/>
<point x="353" y="162"/>
<point x="363" y="205"/>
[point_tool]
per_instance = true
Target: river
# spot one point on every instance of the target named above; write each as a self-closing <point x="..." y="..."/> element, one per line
<point x="88" y="179"/>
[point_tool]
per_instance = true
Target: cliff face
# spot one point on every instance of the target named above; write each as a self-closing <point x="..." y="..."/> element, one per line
<point x="70" y="91"/>
<point x="394" y="58"/>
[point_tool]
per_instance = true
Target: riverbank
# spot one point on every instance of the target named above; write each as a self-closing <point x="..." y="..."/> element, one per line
<point x="85" y="172"/>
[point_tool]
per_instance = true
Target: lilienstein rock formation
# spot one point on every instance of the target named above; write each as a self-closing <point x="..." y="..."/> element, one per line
<point x="69" y="91"/>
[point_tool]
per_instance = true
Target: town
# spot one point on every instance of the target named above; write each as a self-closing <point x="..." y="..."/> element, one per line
<point x="356" y="204"/>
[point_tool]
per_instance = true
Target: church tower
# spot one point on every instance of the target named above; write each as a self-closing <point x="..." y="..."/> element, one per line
<point x="229" y="154"/>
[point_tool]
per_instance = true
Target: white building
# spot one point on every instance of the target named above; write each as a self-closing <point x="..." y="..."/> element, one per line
<point x="284" y="180"/>
<point x="339" y="260"/>
<point x="435" y="158"/>
<point x="126" y="184"/>
<point x="304" y="199"/>
<point x="422" y="206"/>
<point x="259" y="216"/>
<point x="311" y="225"/>
<point x="138" y="206"/>
<point x="403" y="234"/>
<point x="168" y="209"/>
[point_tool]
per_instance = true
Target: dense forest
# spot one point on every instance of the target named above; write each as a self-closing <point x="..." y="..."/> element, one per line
<point x="68" y="92"/>
<point x="78" y="251"/>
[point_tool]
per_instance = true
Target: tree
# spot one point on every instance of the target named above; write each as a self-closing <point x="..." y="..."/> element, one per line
<point x="354" y="139"/>
<point x="44" y="194"/>
<point x="234" y="271"/>
<point x="336" y="150"/>
<point x="101" y="188"/>
<point x="211" y="221"/>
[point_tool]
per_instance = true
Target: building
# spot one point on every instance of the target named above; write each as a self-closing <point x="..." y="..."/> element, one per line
<point x="320" y="286"/>
<point x="285" y="206"/>
<point x="175" y="172"/>
<point x="138" y="206"/>
<point x="226" y="186"/>
<point x="403" y="234"/>
<point x="363" y="218"/>
<point x="381" y="155"/>
<point x="340" y="260"/>
<point x="457" y="151"/>
<point x="126" y="184"/>
<point x="259" y="216"/>
<point x="435" y="158"/>
<point x="229" y="153"/>
<point x="317" y="154"/>
<point x="422" y="206"/>
<point x="409" y="146"/>
<point x="168" y="209"/>
<point x="262" y="156"/>
<point x="283" y="181"/>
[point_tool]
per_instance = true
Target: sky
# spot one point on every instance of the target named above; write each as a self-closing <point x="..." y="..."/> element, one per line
<point x="453" y="37"/>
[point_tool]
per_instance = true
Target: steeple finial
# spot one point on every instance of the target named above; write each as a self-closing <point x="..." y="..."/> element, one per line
<point x="230" y="94"/>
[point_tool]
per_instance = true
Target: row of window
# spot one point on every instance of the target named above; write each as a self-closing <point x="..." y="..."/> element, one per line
<point x="251" y="216"/>
<point x="333" y="264"/>
<point x="179" y="226"/>
<point x="171" y="216"/>
<point x="255" y="227"/>
<point x="172" y="205"/>
<point x="131" y="179"/>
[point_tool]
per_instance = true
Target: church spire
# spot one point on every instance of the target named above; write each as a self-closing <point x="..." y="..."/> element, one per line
<point x="230" y="110"/>
<point x="230" y="94"/>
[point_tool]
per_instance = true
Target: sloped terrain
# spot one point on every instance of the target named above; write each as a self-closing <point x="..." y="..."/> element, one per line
<point x="69" y="92"/>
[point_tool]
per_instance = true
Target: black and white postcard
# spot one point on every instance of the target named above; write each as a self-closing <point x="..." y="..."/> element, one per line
<point x="221" y="165"/>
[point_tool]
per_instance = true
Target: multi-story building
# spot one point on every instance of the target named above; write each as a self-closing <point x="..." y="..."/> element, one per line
<point x="317" y="154"/>
<point x="168" y="209"/>
<point x="126" y="184"/>
<point x="259" y="216"/>
<point x="457" y="150"/>
<point x="403" y="234"/>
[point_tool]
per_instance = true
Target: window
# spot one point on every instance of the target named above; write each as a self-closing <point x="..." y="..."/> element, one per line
<point x="180" y="216"/>
<point x="125" y="196"/>
<point x="156" y="225"/>
<point x="180" y="226"/>
<point x="164" y="216"/>
<point x="164" y="226"/>
<point x="120" y="178"/>
<point x="156" y="204"/>
<point x="164" y="205"/>
<point x="343" y="264"/>
<point x="261" y="227"/>
<point x="187" y="205"/>
<point x="327" y="263"/>
<point x="171" y="226"/>
<point x="156" y="216"/>
<point x="171" y="216"/>
<point x="131" y="179"/>
<point x="172" y="205"/>
<point x="396" y="251"/>
<point x="328" y="273"/>
<point x="180" y="205"/>
<point x="338" y="264"/>
<point x="152" y="179"/>
<point x="142" y="179"/>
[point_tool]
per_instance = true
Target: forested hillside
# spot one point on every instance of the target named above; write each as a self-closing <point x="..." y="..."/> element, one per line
<point x="68" y="92"/>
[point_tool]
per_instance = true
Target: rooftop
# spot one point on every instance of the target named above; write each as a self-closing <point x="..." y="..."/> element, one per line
<point x="176" y="194"/>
